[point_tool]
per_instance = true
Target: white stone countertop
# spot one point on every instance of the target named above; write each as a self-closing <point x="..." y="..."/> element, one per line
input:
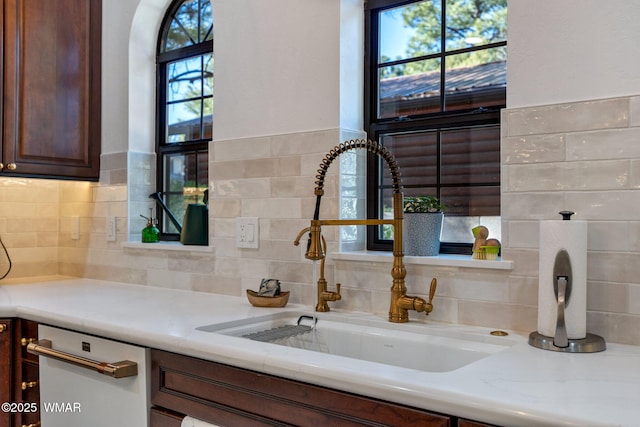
<point x="519" y="386"/>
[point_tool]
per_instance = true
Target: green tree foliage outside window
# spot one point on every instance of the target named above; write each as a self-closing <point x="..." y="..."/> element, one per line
<point x="466" y="21"/>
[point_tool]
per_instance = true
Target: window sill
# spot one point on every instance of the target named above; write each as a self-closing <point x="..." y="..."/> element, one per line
<point x="167" y="246"/>
<point x="462" y="261"/>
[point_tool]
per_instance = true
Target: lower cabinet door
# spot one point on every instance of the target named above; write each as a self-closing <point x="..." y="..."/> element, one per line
<point x="229" y="396"/>
<point x="6" y="355"/>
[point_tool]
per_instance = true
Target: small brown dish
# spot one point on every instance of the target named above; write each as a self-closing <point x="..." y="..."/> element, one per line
<point x="261" y="301"/>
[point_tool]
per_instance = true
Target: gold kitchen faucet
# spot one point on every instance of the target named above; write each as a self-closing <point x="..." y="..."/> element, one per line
<point x="400" y="302"/>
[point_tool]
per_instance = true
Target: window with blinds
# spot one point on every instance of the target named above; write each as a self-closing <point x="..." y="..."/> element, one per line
<point x="435" y="82"/>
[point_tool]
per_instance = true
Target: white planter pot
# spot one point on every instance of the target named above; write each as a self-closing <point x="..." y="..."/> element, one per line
<point x="421" y="233"/>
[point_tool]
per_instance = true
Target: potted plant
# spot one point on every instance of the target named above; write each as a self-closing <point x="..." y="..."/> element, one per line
<point x="422" y="225"/>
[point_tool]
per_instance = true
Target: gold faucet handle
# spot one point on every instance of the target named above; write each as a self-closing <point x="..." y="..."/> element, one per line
<point x="432" y="289"/>
<point x="332" y="295"/>
<point x="428" y="307"/>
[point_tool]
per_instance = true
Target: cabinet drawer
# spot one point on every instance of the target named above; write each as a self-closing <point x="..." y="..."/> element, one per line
<point x="164" y="418"/>
<point x="231" y="396"/>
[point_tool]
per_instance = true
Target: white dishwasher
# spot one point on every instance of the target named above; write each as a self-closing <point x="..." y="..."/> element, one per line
<point x="91" y="381"/>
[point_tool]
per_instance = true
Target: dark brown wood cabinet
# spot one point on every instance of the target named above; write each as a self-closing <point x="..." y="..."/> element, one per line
<point x="230" y="396"/>
<point x="26" y="388"/>
<point x="25" y="381"/>
<point x="19" y="373"/>
<point x="467" y="423"/>
<point x="164" y="418"/>
<point x="6" y="362"/>
<point x="51" y="88"/>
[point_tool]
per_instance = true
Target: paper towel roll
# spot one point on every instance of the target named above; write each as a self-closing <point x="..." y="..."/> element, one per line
<point x="572" y="237"/>
<point x="193" y="422"/>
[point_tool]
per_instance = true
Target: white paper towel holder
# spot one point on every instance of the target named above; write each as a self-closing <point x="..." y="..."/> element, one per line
<point x="562" y="275"/>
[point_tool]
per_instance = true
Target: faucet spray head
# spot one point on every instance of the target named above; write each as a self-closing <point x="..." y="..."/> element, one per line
<point x="315" y="250"/>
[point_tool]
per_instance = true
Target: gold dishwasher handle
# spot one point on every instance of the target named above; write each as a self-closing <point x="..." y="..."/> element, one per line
<point x="122" y="369"/>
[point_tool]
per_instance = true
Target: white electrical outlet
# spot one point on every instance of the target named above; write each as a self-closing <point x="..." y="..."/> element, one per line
<point x="247" y="232"/>
<point x="75" y="228"/>
<point x="111" y="229"/>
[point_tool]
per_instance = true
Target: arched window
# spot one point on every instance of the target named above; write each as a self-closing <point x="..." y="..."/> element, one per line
<point x="185" y="106"/>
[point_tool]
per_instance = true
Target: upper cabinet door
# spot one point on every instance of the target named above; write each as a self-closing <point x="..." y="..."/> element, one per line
<point x="51" y="117"/>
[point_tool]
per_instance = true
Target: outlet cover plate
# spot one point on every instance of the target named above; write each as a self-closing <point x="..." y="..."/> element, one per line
<point x="247" y="232"/>
<point x="111" y="228"/>
<point x="75" y="228"/>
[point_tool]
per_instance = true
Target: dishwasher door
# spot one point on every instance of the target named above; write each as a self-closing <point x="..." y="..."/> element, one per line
<point x="91" y="381"/>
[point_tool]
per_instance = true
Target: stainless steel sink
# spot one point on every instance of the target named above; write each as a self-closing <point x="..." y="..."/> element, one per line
<point x="428" y="347"/>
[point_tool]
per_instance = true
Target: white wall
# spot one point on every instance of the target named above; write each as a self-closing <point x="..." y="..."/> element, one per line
<point x="572" y="50"/>
<point x="282" y="66"/>
<point x="116" y="30"/>
<point x="277" y="67"/>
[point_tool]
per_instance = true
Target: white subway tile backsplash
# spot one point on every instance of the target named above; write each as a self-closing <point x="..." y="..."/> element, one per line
<point x="242" y="188"/>
<point x="634" y="236"/>
<point x="486" y="287"/>
<point x="241" y="149"/>
<point x="531" y="206"/>
<point x="570" y="117"/>
<point x="270" y="207"/>
<point x="286" y="271"/>
<point x="612" y="267"/>
<point x="604" y="205"/>
<point x="304" y="143"/>
<point x="224" y="208"/>
<point x="605" y="144"/>
<point x="533" y="149"/>
<point x="295" y="186"/>
<point x="634" y="111"/>
<point x="594" y="175"/>
<point x="609" y="297"/>
<point x="634" y="174"/>
<point x="111" y="193"/>
<point x="633" y="298"/>
<point x="169" y="279"/>
<point x="614" y="327"/>
<point x="523" y="290"/>
<point x="224" y="227"/>
<point x="522" y="234"/>
<point x="609" y="236"/>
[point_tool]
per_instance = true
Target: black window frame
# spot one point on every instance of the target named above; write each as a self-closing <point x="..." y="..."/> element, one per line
<point x="376" y="127"/>
<point x="198" y="147"/>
